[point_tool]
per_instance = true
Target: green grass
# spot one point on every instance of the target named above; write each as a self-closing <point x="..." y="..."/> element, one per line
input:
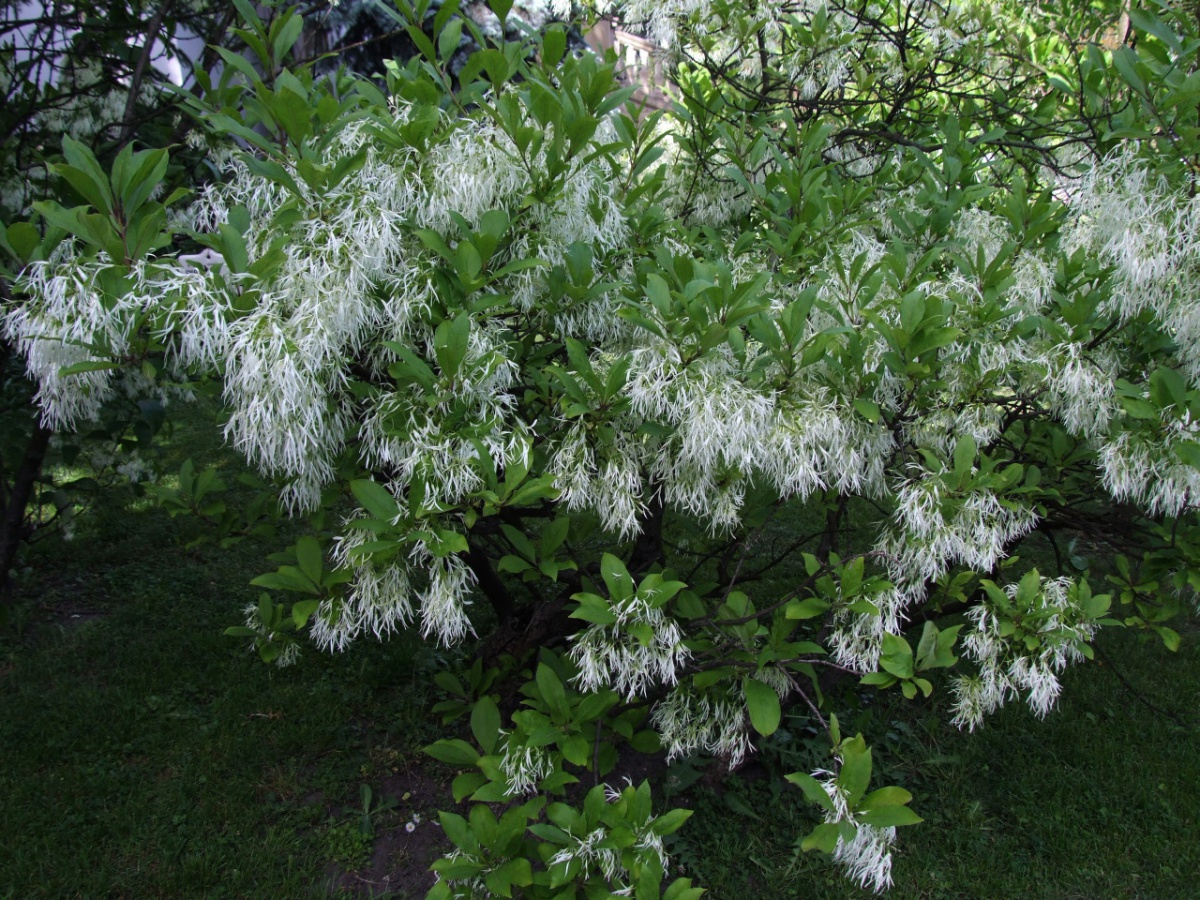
<point x="144" y="754"/>
<point x="1098" y="800"/>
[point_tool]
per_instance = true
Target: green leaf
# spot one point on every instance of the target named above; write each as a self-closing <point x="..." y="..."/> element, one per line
<point x="1145" y="21"/>
<point x="24" y="239"/>
<point x="450" y="342"/>
<point x="151" y="167"/>
<point x="1168" y="388"/>
<point x="448" y="542"/>
<point x="266" y="609"/>
<point x="927" y="645"/>
<point x="878" y="679"/>
<point x="554" y="46"/>
<point x="763" y="703"/>
<point x="459" y="832"/>
<point x="553" y="693"/>
<point x="806" y="609"/>
<point x="449" y="39"/>
<point x="468" y="262"/>
<point x="824" y="838"/>
<point x="515" y="565"/>
<point x="554" y="535"/>
<point x="287" y="578"/>
<point x="681" y="889"/>
<point x="896" y="656"/>
<point x="1188" y="453"/>
<point x="308" y="554"/>
<point x="965" y="451"/>
<point x="302" y="611"/>
<point x="86" y="175"/>
<point x="519" y="871"/>
<point x="485" y="724"/>
<point x="890" y="816"/>
<point x="375" y="499"/>
<point x="534" y="491"/>
<point x="616" y="577"/>
<point x="1170" y="637"/>
<point x="434" y="242"/>
<point x="852" y="577"/>
<point x="455" y="752"/>
<point x="466" y="784"/>
<point x="855" y="773"/>
<point x="885" y="796"/>
<point x="813" y="791"/>
<point x="868" y="409"/>
<point x="286" y="31"/>
<point x="646" y="741"/>
<point x="592" y="608"/>
<point x="91" y="365"/>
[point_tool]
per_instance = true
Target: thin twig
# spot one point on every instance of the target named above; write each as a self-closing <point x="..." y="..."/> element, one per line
<point x="1142" y="698"/>
<point x="129" y="122"/>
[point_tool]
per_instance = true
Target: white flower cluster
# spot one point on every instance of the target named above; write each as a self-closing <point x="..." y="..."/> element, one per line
<point x="936" y="527"/>
<point x="611" y="485"/>
<point x="816" y="444"/>
<point x="614" y="656"/>
<point x="72" y="320"/>
<point x="474" y="888"/>
<point x="602" y="852"/>
<point x="714" y="721"/>
<point x="289" y="648"/>
<point x="524" y="766"/>
<point x="1144" y="470"/>
<point x="868" y="858"/>
<point x="718" y="425"/>
<point x="588" y="212"/>
<point x="857" y="638"/>
<point x="403" y="433"/>
<point x="598" y="853"/>
<point x="379" y="600"/>
<point x="1081" y="389"/>
<point x="725" y="431"/>
<point x="444" y="601"/>
<point x="1007" y="667"/>
<point x="1134" y="222"/>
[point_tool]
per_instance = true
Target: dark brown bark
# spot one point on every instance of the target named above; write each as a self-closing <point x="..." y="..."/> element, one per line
<point x="13" y="526"/>
<point x="548" y="622"/>
<point x="548" y="625"/>
<point x="490" y="583"/>
<point x="648" y="549"/>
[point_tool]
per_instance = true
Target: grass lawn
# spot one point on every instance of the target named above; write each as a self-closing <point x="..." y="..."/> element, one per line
<point x="1100" y="800"/>
<point x="144" y="754"/>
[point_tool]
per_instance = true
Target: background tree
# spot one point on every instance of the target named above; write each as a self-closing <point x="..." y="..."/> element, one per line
<point x="106" y="74"/>
<point x="95" y="72"/>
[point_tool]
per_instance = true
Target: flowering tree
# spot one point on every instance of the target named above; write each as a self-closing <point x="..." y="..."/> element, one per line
<point x="95" y="72"/>
<point x="714" y="407"/>
<point x="106" y="73"/>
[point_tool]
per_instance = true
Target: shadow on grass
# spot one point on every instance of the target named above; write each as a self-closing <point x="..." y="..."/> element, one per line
<point x="145" y="754"/>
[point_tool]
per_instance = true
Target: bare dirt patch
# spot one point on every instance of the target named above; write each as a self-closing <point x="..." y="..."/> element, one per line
<point x="407" y="846"/>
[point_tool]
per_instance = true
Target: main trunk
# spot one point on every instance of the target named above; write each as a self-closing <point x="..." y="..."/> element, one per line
<point x="12" y="529"/>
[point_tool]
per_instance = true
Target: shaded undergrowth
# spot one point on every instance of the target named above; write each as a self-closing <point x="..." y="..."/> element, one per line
<point x="145" y="754"/>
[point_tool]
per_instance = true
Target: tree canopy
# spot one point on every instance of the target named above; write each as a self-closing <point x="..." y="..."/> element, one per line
<point x="876" y="355"/>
